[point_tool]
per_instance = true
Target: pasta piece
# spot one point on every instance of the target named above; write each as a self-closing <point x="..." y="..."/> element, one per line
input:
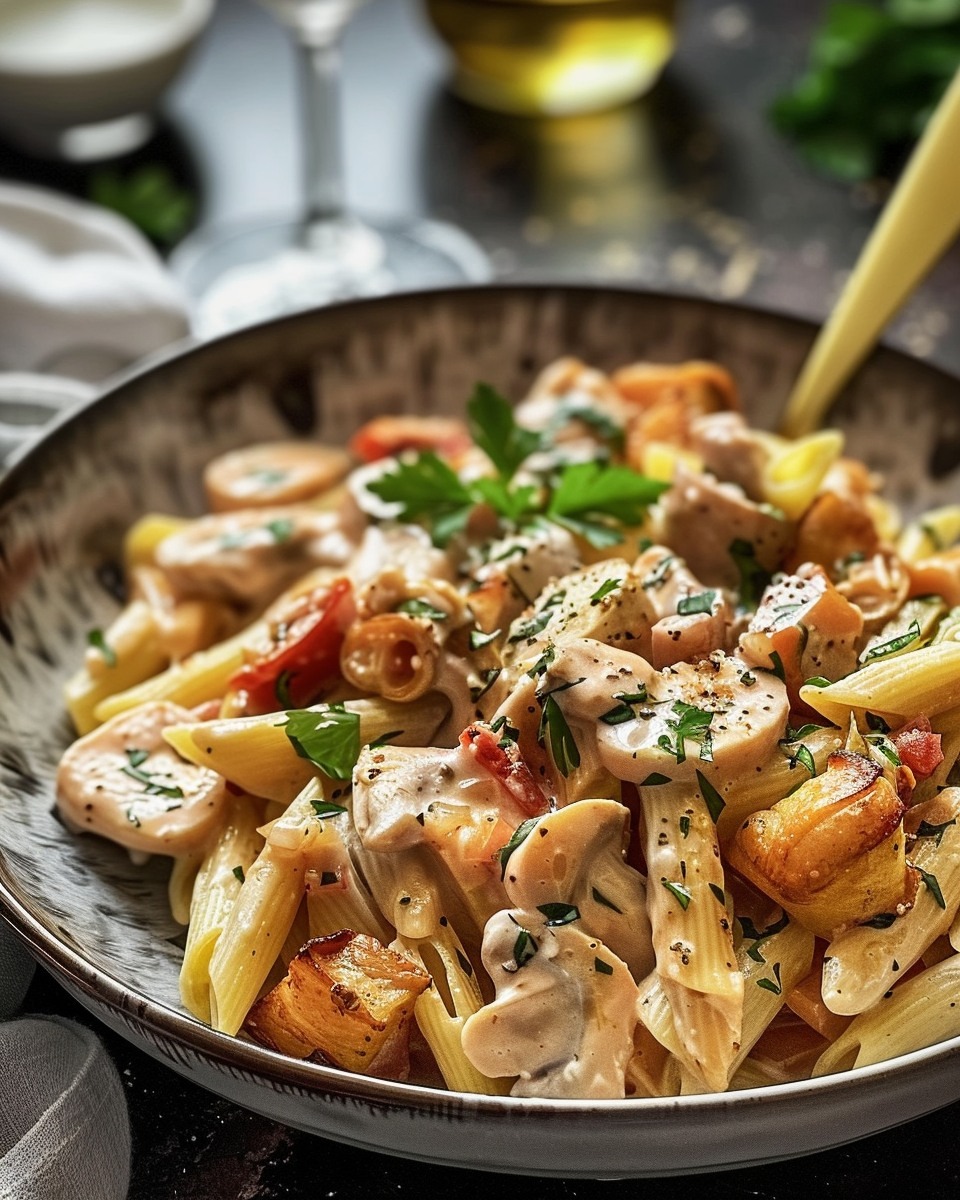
<point x="393" y="654"/>
<point x="692" y="934"/>
<point x="794" y="472"/>
<point x="925" y="680"/>
<point x="180" y="884"/>
<point x="264" y="912"/>
<point x="937" y="530"/>
<point x="203" y="676"/>
<point x="918" y="1012"/>
<point x="866" y="961"/>
<point x="127" y="654"/>
<point x="443" y="1009"/>
<point x="215" y="891"/>
<point x="256" y="754"/>
<point x="145" y="535"/>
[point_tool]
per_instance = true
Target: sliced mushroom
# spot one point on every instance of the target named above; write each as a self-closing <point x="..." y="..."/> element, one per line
<point x="564" y="1015"/>
<point x="576" y="857"/>
<point x="123" y="782"/>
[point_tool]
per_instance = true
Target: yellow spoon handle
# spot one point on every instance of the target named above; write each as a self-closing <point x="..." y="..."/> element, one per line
<point x="920" y="220"/>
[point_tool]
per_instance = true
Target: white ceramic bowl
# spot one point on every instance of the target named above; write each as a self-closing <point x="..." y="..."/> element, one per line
<point x="68" y="65"/>
<point x="102" y="925"/>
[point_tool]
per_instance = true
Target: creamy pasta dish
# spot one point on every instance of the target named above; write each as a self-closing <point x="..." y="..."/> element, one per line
<point x="598" y="747"/>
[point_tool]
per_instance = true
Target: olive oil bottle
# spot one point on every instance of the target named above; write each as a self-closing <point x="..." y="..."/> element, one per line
<point x="554" y="56"/>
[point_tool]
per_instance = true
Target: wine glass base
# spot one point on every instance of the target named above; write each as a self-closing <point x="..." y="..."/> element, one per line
<point x="239" y="275"/>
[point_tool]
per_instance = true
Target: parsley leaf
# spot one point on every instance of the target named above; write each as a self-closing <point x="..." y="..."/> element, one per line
<point x="421" y="608"/>
<point x="714" y="801"/>
<point x="494" y="429"/>
<point x="329" y="738"/>
<point x="519" y="836"/>
<point x="96" y="639"/>
<point x="425" y="487"/>
<point x="893" y="646"/>
<point x="689" y="723"/>
<point x="605" y="588"/>
<point x="753" y="577"/>
<point x="559" y="914"/>
<point x="591" y="500"/>
<point x="680" y="893"/>
<point x="563" y="746"/>
<point x="702" y="602"/>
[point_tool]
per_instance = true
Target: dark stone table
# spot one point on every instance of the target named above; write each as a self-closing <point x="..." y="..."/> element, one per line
<point x="688" y="190"/>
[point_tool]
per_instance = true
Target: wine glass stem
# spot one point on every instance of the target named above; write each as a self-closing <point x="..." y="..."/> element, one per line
<point x="323" y="152"/>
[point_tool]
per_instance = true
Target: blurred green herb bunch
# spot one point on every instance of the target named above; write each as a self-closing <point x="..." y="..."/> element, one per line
<point x="875" y="74"/>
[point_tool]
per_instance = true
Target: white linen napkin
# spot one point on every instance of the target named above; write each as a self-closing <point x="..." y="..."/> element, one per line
<point x="82" y="293"/>
<point x="64" y="1129"/>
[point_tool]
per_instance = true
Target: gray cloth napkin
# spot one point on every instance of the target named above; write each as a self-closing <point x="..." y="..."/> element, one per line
<point x="64" y="1129"/>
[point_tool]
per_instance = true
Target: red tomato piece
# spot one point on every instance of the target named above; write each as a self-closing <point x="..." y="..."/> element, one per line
<point x="507" y="767"/>
<point x="384" y="436"/>
<point x="918" y="747"/>
<point x="305" y="655"/>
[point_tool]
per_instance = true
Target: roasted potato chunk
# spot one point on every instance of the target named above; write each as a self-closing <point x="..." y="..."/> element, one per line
<point x="346" y="1000"/>
<point x="832" y="854"/>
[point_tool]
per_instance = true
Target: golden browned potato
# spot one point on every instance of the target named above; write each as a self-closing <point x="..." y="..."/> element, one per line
<point x="347" y="1000"/>
<point x="833" y="853"/>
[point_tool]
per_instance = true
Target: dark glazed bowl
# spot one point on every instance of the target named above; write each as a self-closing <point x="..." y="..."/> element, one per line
<point x="102" y="925"/>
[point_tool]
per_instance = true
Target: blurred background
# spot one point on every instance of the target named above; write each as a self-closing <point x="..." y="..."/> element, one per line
<point x="751" y="171"/>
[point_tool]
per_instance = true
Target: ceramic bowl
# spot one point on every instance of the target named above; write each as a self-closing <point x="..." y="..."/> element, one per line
<point x="58" y="90"/>
<point x="102" y="926"/>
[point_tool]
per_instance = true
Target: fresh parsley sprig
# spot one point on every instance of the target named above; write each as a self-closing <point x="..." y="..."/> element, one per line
<point x="592" y="499"/>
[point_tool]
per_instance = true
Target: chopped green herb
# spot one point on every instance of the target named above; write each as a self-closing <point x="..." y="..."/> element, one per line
<point x="714" y="801"/>
<point x="893" y="646"/>
<point x="421" y="608"/>
<point x="601" y="967"/>
<point x="680" y="893"/>
<point x="881" y="921"/>
<point x="816" y="681"/>
<point x="559" y="914"/>
<point x="605" y="588"/>
<point x="281" y="689"/>
<point x="478" y="639"/>
<point x="718" y="893"/>
<point x="524" y="948"/>
<point x="885" y="747"/>
<point x="520" y="835"/>
<point x="96" y="639"/>
<point x="150" y="785"/>
<point x="326" y="808"/>
<point x="384" y="738"/>
<point x="655" y="779"/>
<point x="531" y="626"/>
<point x="601" y="899"/>
<point x="702" y="602"/>
<point x="487" y="679"/>
<point x="238" y="874"/>
<point x="544" y="661"/>
<point x="759" y="936"/>
<point x="747" y="679"/>
<point x="753" y="577"/>
<point x="877" y="724"/>
<point x="776" y="666"/>
<point x="574" y="409"/>
<point x="797" y="735"/>
<point x="281" y="530"/>
<point x="769" y="985"/>
<point x="660" y="573"/>
<point x="926" y="830"/>
<point x="327" y="737"/>
<point x="563" y="747"/>
<point x="689" y="724"/>
<point x="618" y="715"/>
<point x="268" y="476"/>
<point x="135" y="757"/>
<point x="933" y="887"/>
